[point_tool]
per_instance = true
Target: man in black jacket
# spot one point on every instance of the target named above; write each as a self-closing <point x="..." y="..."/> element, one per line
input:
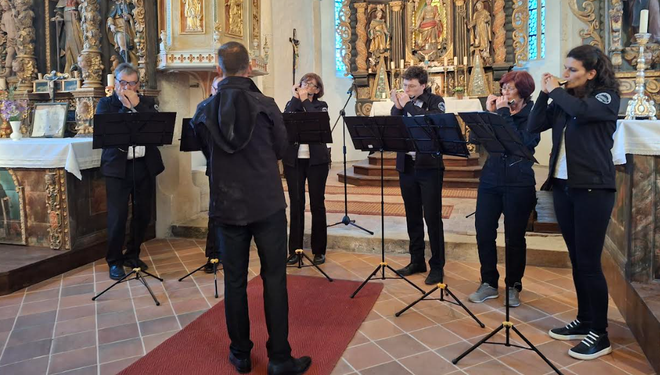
<point x="420" y="178"/>
<point x="242" y="135"/>
<point x="117" y="167"/>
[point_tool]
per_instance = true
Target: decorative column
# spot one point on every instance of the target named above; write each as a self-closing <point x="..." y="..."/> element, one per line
<point x="520" y="18"/>
<point x="616" y="16"/>
<point x="588" y="15"/>
<point x="344" y="31"/>
<point x="397" y="32"/>
<point x="56" y="204"/>
<point x="90" y="59"/>
<point x="462" y="33"/>
<point x="140" y="40"/>
<point x="499" y="31"/>
<point x="26" y="62"/>
<point x="361" y="43"/>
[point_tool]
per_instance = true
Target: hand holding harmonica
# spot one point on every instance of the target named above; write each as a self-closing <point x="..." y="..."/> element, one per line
<point x="550" y="82"/>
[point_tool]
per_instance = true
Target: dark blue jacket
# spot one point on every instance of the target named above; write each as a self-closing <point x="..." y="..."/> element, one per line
<point x="517" y="173"/>
<point x="113" y="160"/>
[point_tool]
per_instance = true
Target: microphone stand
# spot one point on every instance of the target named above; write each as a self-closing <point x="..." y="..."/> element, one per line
<point x="346" y="220"/>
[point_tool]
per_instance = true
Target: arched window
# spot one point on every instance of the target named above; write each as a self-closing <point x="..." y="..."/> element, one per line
<point x="339" y="62"/>
<point x="536" y="27"/>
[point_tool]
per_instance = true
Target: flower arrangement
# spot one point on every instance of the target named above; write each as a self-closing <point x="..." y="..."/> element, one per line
<point x="459" y="91"/>
<point x="10" y="108"/>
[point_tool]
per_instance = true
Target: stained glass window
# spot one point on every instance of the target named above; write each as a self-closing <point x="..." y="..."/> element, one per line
<point x="339" y="63"/>
<point x="536" y="27"/>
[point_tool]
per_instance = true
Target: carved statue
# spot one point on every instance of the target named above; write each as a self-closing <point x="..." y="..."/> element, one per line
<point x="429" y="27"/>
<point x="70" y="36"/>
<point x="481" y="36"/>
<point x="236" y="17"/>
<point x="193" y="13"/>
<point x="8" y="25"/>
<point x="121" y="28"/>
<point x="379" y="35"/>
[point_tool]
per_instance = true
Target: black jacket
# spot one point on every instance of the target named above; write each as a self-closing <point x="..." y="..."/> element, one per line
<point x="318" y="152"/>
<point x="430" y="103"/>
<point x="518" y="173"/>
<point x="113" y="160"/>
<point x="242" y="135"/>
<point x="590" y="124"/>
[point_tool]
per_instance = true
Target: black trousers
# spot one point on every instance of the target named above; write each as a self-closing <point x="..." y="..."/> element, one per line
<point x="583" y="216"/>
<point x="520" y="201"/>
<point x="119" y="192"/>
<point x="316" y="176"/>
<point x="421" y="190"/>
<point x="234" y="244"/>
<point x="211" y="250"/>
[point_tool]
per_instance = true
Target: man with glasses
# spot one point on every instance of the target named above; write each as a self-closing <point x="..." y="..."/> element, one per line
<point x="120" y="177"/>
<point x="420" y="178"/>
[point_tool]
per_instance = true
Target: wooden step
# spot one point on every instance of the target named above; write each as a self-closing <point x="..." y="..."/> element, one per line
<point x="363" y="168"/>
<point x="366" y="180"/>
<point x="389" y="158"/>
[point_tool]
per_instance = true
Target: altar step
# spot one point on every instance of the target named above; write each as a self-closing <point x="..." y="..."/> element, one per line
<point x="459" y="172"/>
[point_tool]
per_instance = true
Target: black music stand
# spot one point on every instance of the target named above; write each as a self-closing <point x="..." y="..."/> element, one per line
<point x="307" y="128"/>
<point x="386" y="133"/>
<point x="190" y="143"/>
<point x="437" y="135"/>
<point x="499" y="139"/>
<point x="113" y="130"/>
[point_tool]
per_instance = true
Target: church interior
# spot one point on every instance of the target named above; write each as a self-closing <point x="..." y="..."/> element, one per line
<point x="58" y="60"/>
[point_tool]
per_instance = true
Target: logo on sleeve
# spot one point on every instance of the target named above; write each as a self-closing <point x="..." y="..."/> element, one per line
<point x="604" y="98"/>
<point x="324" y="109"/>
<point x="441" y="106"/>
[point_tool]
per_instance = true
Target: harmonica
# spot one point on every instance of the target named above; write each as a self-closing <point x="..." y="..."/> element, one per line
<point x="511" y="102"/>
<point x="562" y="82"/>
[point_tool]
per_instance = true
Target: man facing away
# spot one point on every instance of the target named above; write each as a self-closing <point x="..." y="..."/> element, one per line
<point x="242" y="135"/>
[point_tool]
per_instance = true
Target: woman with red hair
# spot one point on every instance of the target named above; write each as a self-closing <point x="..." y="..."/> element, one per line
<point x="506" y="186"/>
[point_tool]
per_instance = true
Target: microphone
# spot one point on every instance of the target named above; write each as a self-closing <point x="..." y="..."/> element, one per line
<point x="350" y="89"/>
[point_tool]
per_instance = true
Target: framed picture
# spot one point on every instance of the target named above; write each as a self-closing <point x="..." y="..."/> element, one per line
<point x="69" y="85"/>
<point x="40" y="85"/>
<point x="49" y="120"/>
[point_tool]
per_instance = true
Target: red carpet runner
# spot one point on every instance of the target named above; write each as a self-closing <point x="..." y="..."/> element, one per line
<point x="322" y="322"/>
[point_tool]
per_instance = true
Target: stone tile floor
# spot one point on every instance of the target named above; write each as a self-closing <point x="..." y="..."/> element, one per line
<point x="54" y="327"/>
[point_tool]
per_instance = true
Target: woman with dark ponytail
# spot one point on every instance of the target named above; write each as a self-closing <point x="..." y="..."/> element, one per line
<point x="582" y="117"/>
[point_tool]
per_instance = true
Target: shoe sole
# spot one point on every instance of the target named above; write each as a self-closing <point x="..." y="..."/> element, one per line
<point x="513" y="305"/>
<point x="484" y="299"/>
<point x="587" y="357"/>
<point x="566" y="337"/>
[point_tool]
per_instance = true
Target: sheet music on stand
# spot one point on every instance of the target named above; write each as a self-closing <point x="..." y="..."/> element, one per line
<point x="496" y="137"/>
<point x="308" y="127"/>
<point x="437" y="134"/>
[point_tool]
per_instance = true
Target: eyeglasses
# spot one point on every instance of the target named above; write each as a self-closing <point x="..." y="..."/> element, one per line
<point x="508" y="88"/>
<point x="128" y="83"/>
<point x="310" y="84"/>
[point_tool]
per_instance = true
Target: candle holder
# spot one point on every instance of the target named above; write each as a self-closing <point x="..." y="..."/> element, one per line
<point x="444" y="89"/>
<point x="641" y="105"/>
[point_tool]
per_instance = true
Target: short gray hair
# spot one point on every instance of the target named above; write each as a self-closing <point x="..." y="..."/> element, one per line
<point x="126" y="68"/>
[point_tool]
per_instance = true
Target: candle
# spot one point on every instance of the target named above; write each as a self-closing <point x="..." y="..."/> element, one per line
<point x="455" y="60"/>
<point x="464" y="60"/>
<point x="392" y="65"/>
<point x="3" y="83"/>
<point x="445" y="60"/>
<point x="402" y="63"/>
<point x="644" y="21"/>
<point x="40" y="76"/>
<point x="111" y="80"/>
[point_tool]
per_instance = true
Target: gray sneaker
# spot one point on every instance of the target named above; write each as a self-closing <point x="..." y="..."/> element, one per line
<point x="484" y="292"/>
<point x="514" y="297"/>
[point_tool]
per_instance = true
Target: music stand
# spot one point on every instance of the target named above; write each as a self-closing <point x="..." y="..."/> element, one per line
<point x="499" y="139"/>
<point x="437" y="135"/>
<point x="386" y="133"/>
<point x="114" y="130"/>
<point x="190" y="143"/>
<point x="307" y="128"/>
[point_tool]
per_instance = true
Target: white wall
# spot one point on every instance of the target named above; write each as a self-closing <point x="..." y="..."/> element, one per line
<point x="561" y="35"/>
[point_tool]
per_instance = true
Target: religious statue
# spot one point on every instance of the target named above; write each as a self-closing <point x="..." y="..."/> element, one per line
<point x="70" y="36"/>
<point x="121" y="27"/>
<point x="481" y="36"/>
<point x="429" y="27"/>
<point x="236" y="17"/>
<point x="379" y="35"/>
<point x="8" y="25"/>
<point x="193" y="13"/>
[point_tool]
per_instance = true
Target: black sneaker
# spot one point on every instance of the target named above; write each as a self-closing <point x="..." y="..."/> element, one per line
<point x="293" y="259"/>
<point x="136" y="263"/>
<point x="434" y="277"/>
<point x="592" y="347"/>
<point x="319" y="259"/>
<point x="574" y="330"/>
<point x="412" y="269"/>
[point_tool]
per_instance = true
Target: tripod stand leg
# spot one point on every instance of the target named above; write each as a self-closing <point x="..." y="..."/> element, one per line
<point x="408" y="281"/>
<point x="144" y="282"/>
<point x="367" y="280"/>
<point x="154" y="276"/>
<point x="414" y="303"/>
<point x="111" y="286"/>
<point x="316" y="266"/>
<point x="199" y="268"/>
<point x="535" y="349"/>
<point x="458" y="301"/>
<point x="455" y="360"/>
<point x="215" y="278"/>
<point x="359" y="227"/>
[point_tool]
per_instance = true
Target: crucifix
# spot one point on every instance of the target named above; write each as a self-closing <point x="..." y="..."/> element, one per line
<point x="294" y="43"/>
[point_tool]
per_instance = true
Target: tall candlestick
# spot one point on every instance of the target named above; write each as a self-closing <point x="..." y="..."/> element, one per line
<point x="644" y="21"/>
<point x="402" y="64"/>
<point x="445" y="61"/>
<point x="455" y="60"/>
<point x="111" y="80"/>
<point x="392" y="65"/>
<point x="464" y="60"/>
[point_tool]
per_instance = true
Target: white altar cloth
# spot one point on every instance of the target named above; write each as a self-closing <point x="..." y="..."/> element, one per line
<point x="638" y="137"/>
